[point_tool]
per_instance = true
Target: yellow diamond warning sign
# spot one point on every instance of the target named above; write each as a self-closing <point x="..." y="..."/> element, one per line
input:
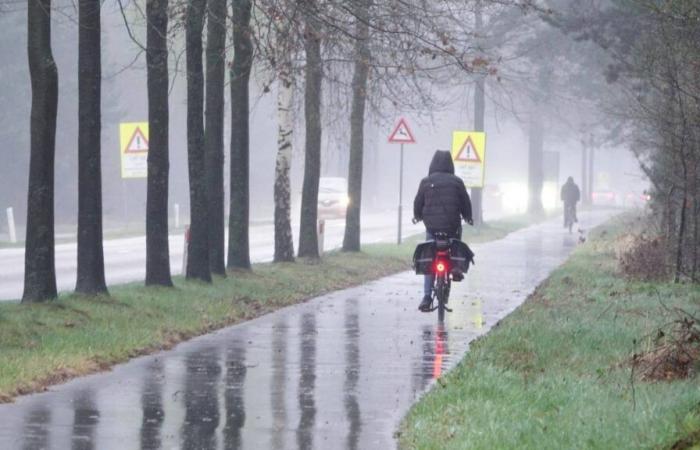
<point x="133" y="149"/>
<point x="468" y="154"/>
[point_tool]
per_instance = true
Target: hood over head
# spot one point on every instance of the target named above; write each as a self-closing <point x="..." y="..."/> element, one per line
<point x="570" y="180"/>
<point x="442" y="162"/>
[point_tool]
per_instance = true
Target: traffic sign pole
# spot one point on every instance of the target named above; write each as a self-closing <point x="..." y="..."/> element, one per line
<point x="398" y="239"/>
<point x="401" y="135"/>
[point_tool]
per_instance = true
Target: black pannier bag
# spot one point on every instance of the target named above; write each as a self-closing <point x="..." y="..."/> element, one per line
<point x="460" y="255"/>
<point x="423" y="258"/>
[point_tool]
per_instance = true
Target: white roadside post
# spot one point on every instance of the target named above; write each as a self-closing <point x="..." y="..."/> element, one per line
<point x="176" y="207"/>
<point x="401" y="135"/>
<point x="11" y="225"/>
<point x="321" y="235"/>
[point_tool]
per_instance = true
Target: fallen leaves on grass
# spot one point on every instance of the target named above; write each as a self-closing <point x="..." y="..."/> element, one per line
<point x="642" y="257"/>
<point x="675" y="356"/>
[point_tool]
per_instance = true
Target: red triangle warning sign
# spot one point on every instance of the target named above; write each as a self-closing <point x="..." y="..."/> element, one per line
<point x="468" y="152"/>
<point x="402" y="134"/>
<point x="138" y="142"/>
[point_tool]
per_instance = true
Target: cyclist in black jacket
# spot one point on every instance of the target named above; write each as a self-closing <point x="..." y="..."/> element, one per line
<point x="441" y="203"/>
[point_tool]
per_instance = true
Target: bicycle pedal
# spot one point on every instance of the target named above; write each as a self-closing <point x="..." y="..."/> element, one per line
<point x="447" y="309"/>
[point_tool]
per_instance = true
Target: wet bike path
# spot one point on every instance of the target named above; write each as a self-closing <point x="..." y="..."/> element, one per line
<point x="336" y="372"/>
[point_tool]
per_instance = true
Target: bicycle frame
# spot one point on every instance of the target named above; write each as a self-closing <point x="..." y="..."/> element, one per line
<point x="569" y="216"/>
<point x="442" y="282"/>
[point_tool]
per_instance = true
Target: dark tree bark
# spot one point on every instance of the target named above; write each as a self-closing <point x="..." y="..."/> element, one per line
<point x="91" y="271"/>
<point x="214" y="132"/>
<point x="39" y="262"/>
<point x="308" y="237"/>
<point x="238" y="244"/>
<point x="157" y="252"/>
<point x="351" y="240"/>
<point x="680" y="239"/>
<point x="198" y="250"/>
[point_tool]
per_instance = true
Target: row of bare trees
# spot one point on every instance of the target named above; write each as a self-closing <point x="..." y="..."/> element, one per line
<point x="374" y="54"/>
<point x="653" y="49"/>
<point x="664" y="107"/>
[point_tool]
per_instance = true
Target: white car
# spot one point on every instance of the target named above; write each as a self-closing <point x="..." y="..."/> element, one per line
<point x="333" y="197"/>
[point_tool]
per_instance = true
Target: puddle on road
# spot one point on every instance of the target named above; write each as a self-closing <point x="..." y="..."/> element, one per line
<point x="337" y="372"/>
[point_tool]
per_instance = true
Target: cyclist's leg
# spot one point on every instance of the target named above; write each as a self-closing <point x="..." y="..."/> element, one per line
<point x="428" y="279"/>
<point x="428" y="285"/>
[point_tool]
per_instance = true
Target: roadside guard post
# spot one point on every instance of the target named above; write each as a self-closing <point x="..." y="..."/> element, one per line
<point x="11" y="225"/>
<point x="321" y="235"/>
<point x="469" y="155"/>
<point x="401" y="135"/>
<point x="184" y="251"/>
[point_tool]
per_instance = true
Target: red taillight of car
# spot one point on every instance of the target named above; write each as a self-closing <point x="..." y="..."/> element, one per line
<point x="440" y="266"/>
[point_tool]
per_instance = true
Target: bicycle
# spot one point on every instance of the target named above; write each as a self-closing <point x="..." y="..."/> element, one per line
<point x="448" y="260"/>
<point x="569" y="217"/>
<point x="442" y="269"/>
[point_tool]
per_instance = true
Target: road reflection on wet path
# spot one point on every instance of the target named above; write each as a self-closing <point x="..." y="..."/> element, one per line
<point x="337" y="372"/>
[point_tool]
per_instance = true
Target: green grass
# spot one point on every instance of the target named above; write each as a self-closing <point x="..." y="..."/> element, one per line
<point x="555" y="374"/>
<point x="43" y="344"/>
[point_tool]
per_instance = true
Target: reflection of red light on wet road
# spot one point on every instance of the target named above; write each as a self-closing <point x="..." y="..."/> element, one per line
<point x="439" y="351"/>
<point x="437" y="366"/>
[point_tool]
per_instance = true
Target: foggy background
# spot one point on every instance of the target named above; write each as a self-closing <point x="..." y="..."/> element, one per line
<point x="124" y="100"/>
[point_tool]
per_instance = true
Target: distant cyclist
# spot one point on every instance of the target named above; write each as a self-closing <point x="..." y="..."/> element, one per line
<point x="570" y="195"/>
<point x="441" y="203"/>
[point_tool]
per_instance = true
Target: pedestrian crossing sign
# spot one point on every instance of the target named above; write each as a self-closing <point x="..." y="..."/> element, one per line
<point x="468" y="154"/>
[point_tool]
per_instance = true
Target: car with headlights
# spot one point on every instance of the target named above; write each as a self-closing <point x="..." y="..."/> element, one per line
<point x="333" y="197"/>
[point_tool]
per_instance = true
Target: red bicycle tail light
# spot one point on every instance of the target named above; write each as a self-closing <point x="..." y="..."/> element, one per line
<point x="440" y="267"/>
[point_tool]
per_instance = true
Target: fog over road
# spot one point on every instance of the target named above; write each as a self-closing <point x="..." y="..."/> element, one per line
<point x="125" y="259"/>
<point x="336" y="372"/>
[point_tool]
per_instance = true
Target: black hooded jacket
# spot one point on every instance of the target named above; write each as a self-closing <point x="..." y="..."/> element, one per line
<point x="570" y="193"/>
<point x="442" y="199"/>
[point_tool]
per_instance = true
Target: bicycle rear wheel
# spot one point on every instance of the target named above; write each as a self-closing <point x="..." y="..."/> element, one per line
<point x="440" y="294"/>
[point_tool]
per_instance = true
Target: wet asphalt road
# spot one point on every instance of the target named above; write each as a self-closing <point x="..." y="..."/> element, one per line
<point x="337" y="372"/>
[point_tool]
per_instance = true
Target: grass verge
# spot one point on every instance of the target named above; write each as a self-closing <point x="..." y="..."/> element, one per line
<point x="556" y="373"/>
<point x="45" y="344"/>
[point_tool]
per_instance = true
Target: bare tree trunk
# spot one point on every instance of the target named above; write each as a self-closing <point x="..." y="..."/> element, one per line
<point x="535" y="169"/>
<point x="591" y="174"/>
<point x="284" y="243"/>
<point x="308" y="238"/>
<point x="238" y="240"/>
<point x="39" y="261"/>
<point x="479" y="116"/>
<point x="91" y="270"/>
<point x="681" y="238"/>
<point x="214" y="133"/>
<point x="696" y="234"/>
<point x="198" y="250"/>
<point x="157" y="252"/>
<point x="351" y="240"/>
<point x="585" y="199"/>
